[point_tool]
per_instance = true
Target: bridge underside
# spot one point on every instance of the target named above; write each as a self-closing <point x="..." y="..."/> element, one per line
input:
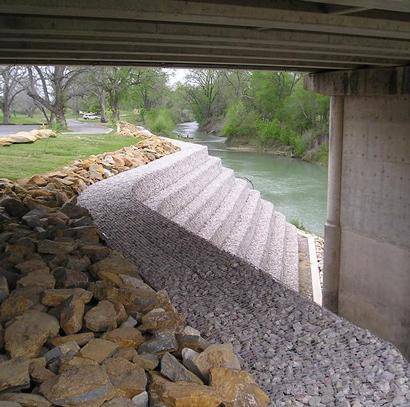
<point x="309" y="35"/>
<point x="356" y="51"/>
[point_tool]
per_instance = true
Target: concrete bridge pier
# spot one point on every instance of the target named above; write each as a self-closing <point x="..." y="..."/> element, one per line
<point x="367" y="249"/>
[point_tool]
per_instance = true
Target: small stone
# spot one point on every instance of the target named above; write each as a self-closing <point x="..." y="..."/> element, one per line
<point x="68" y="349"/>
<point x="35" y="264"/>
<point x="78" y="263"/>
<point x="55" y="297"/>
<point x="188" y="330"/>
<point x="77" y="361"/>
<point x="95" y="252"/>
<point x="86" y="385"/>
<point x="74" y="211"/>
<point x="4" y="288"/>
<point x="98" y="349"/>
<point x="14" y="374"/>
<point x="102" y="317"/>
<point x="129" y="323"/>
<point x="175" y="371"/>
<point x="128" y="379"/>
<point x="237" y="388"/>
<point x="125" y="337"/>
<point x="183" y="394"/>
<point x="81" y="339"/>
<point x="56" y="246"/>
<point x="217" y="355"/>
<point x="26" y="399"/>
<point x="27" y="335"/>
<point x="126" y="353"/>
<point x="141" y="400"/>
<point x="84" y="233"/>
<point x="161" y="342"/>
<point x="147" y="361"/>
<point x="71" y="316"/>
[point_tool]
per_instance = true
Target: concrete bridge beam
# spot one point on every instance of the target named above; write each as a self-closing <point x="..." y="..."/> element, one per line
<point x="367" y="249"/>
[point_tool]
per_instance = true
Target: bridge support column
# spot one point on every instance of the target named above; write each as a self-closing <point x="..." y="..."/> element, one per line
<point x="367" y="233"/>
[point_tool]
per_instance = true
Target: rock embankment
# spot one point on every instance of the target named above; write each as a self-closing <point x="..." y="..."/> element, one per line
<point x="80" y="327"/>
<point x="23" y="137"/>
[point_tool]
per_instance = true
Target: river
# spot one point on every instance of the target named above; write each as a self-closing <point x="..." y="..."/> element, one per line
<point x="295" y="187"/>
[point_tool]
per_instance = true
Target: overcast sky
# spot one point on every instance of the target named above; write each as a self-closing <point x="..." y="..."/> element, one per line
<point x="176" y="75"/>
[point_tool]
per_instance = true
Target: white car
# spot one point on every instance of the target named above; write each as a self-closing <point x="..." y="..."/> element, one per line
<point x="91" y="116"/>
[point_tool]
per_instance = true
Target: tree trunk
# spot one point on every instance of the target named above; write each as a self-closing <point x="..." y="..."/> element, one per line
<point x="103" y="113"/>
<point x="6" y="112"/>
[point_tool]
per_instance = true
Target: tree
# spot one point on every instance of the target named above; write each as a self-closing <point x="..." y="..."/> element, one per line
<point x="203" y="90"/>
<point x="10" y="87"/>
<point x="51" y="87"/>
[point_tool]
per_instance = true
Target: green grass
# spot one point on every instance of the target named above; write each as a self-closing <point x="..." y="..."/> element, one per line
<point x="25" y="160"/>
<point x="23" y="119"/>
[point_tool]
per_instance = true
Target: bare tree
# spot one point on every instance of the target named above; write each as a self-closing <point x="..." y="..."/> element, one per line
<point x="10" y="87"/>
<point x="51" y="88"/>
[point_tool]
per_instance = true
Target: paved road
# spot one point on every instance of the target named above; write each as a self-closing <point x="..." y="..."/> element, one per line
<point x="6" y="129"/>
<point x="92" y="127"/>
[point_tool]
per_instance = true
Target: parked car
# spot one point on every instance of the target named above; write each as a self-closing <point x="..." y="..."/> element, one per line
<point x="91" y="116"/>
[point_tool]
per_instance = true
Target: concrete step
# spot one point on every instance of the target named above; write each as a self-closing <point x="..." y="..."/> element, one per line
<point x="199" y="210"/>
<point x="257" y="248"/>
<point x="244" y="226"/>
<point x="220" y="224"/>
<point x="172" y="199"/>
<point x="157" y="175"/>
<point x="274" y="256"/>
<point x="290" y="267"/>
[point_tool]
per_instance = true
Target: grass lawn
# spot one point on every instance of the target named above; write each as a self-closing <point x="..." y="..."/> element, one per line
<point x="22" y="119"/>
<point x="24" y="160"/>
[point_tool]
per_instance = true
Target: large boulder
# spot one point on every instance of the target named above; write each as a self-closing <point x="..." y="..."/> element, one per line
<point x="183" y="394"/>
<point x="127" y="378"/>
<point x="82" y="386"/>
<point x="27" y="335"/>
<point x="237" y="388"/>
<point x="14" y="374"/>
<point x="102" y="317"/>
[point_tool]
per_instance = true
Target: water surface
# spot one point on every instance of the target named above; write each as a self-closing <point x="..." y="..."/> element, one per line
<point x="295" y="187"/>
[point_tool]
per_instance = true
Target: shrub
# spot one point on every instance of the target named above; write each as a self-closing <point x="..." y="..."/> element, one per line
<point x="159" y="121"/>
<point x="239" y="121"/>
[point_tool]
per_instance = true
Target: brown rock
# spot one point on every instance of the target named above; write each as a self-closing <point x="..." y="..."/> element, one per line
<point x="74" y="211"/>
<point x="67" y="278"/>
<point x="95" y="252"/>
<point x="237" y="388"/>
<point x="78" y="263"/>
<point x="102" y="317"/>
<point x="135" y="300"/>
<point x="34" y="264"/>
<point x="87" y="234"/>
<point x="14" y="207"/>
<point x="98" y="349"/>
<point x="125" y="337"/>
<point x="161" y="342"/>
<point x="27" y="335"/>
<point x="195" y="342"/>
<point x="176" y="371"/>
<point x="4" y="288"/>
<point x="14" y="374"/>
<point x="81" y="339"/>
<point x="147" y="361"/>
<point x="126" y="353"/>
<point x="18" y="302"/>
<point x="115" y="263"/>
<point x="38" y="371"/>
<point x="9" y="403"/>
<point x="56" y="246"/>
<point x="158" y="319"/>
<point x="42" y="279"/>
<point x="86" y="386"/>
<point x="217" y="355"/>
<point x="20" y="251"/>
<point x="119" y="402"/>
<point x="183" y="394"/>
<point x="71" y="316"/>
<point x="53" y="298"/>
<point x="26" y="399"/>
<point x="77" y="361"/>
<point x="128" y="379"/>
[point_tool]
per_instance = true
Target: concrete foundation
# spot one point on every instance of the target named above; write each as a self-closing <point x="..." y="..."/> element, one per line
<point x="370" y="284"/>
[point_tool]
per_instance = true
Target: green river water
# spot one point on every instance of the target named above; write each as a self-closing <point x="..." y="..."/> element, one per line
<point x="295" y="187"/>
